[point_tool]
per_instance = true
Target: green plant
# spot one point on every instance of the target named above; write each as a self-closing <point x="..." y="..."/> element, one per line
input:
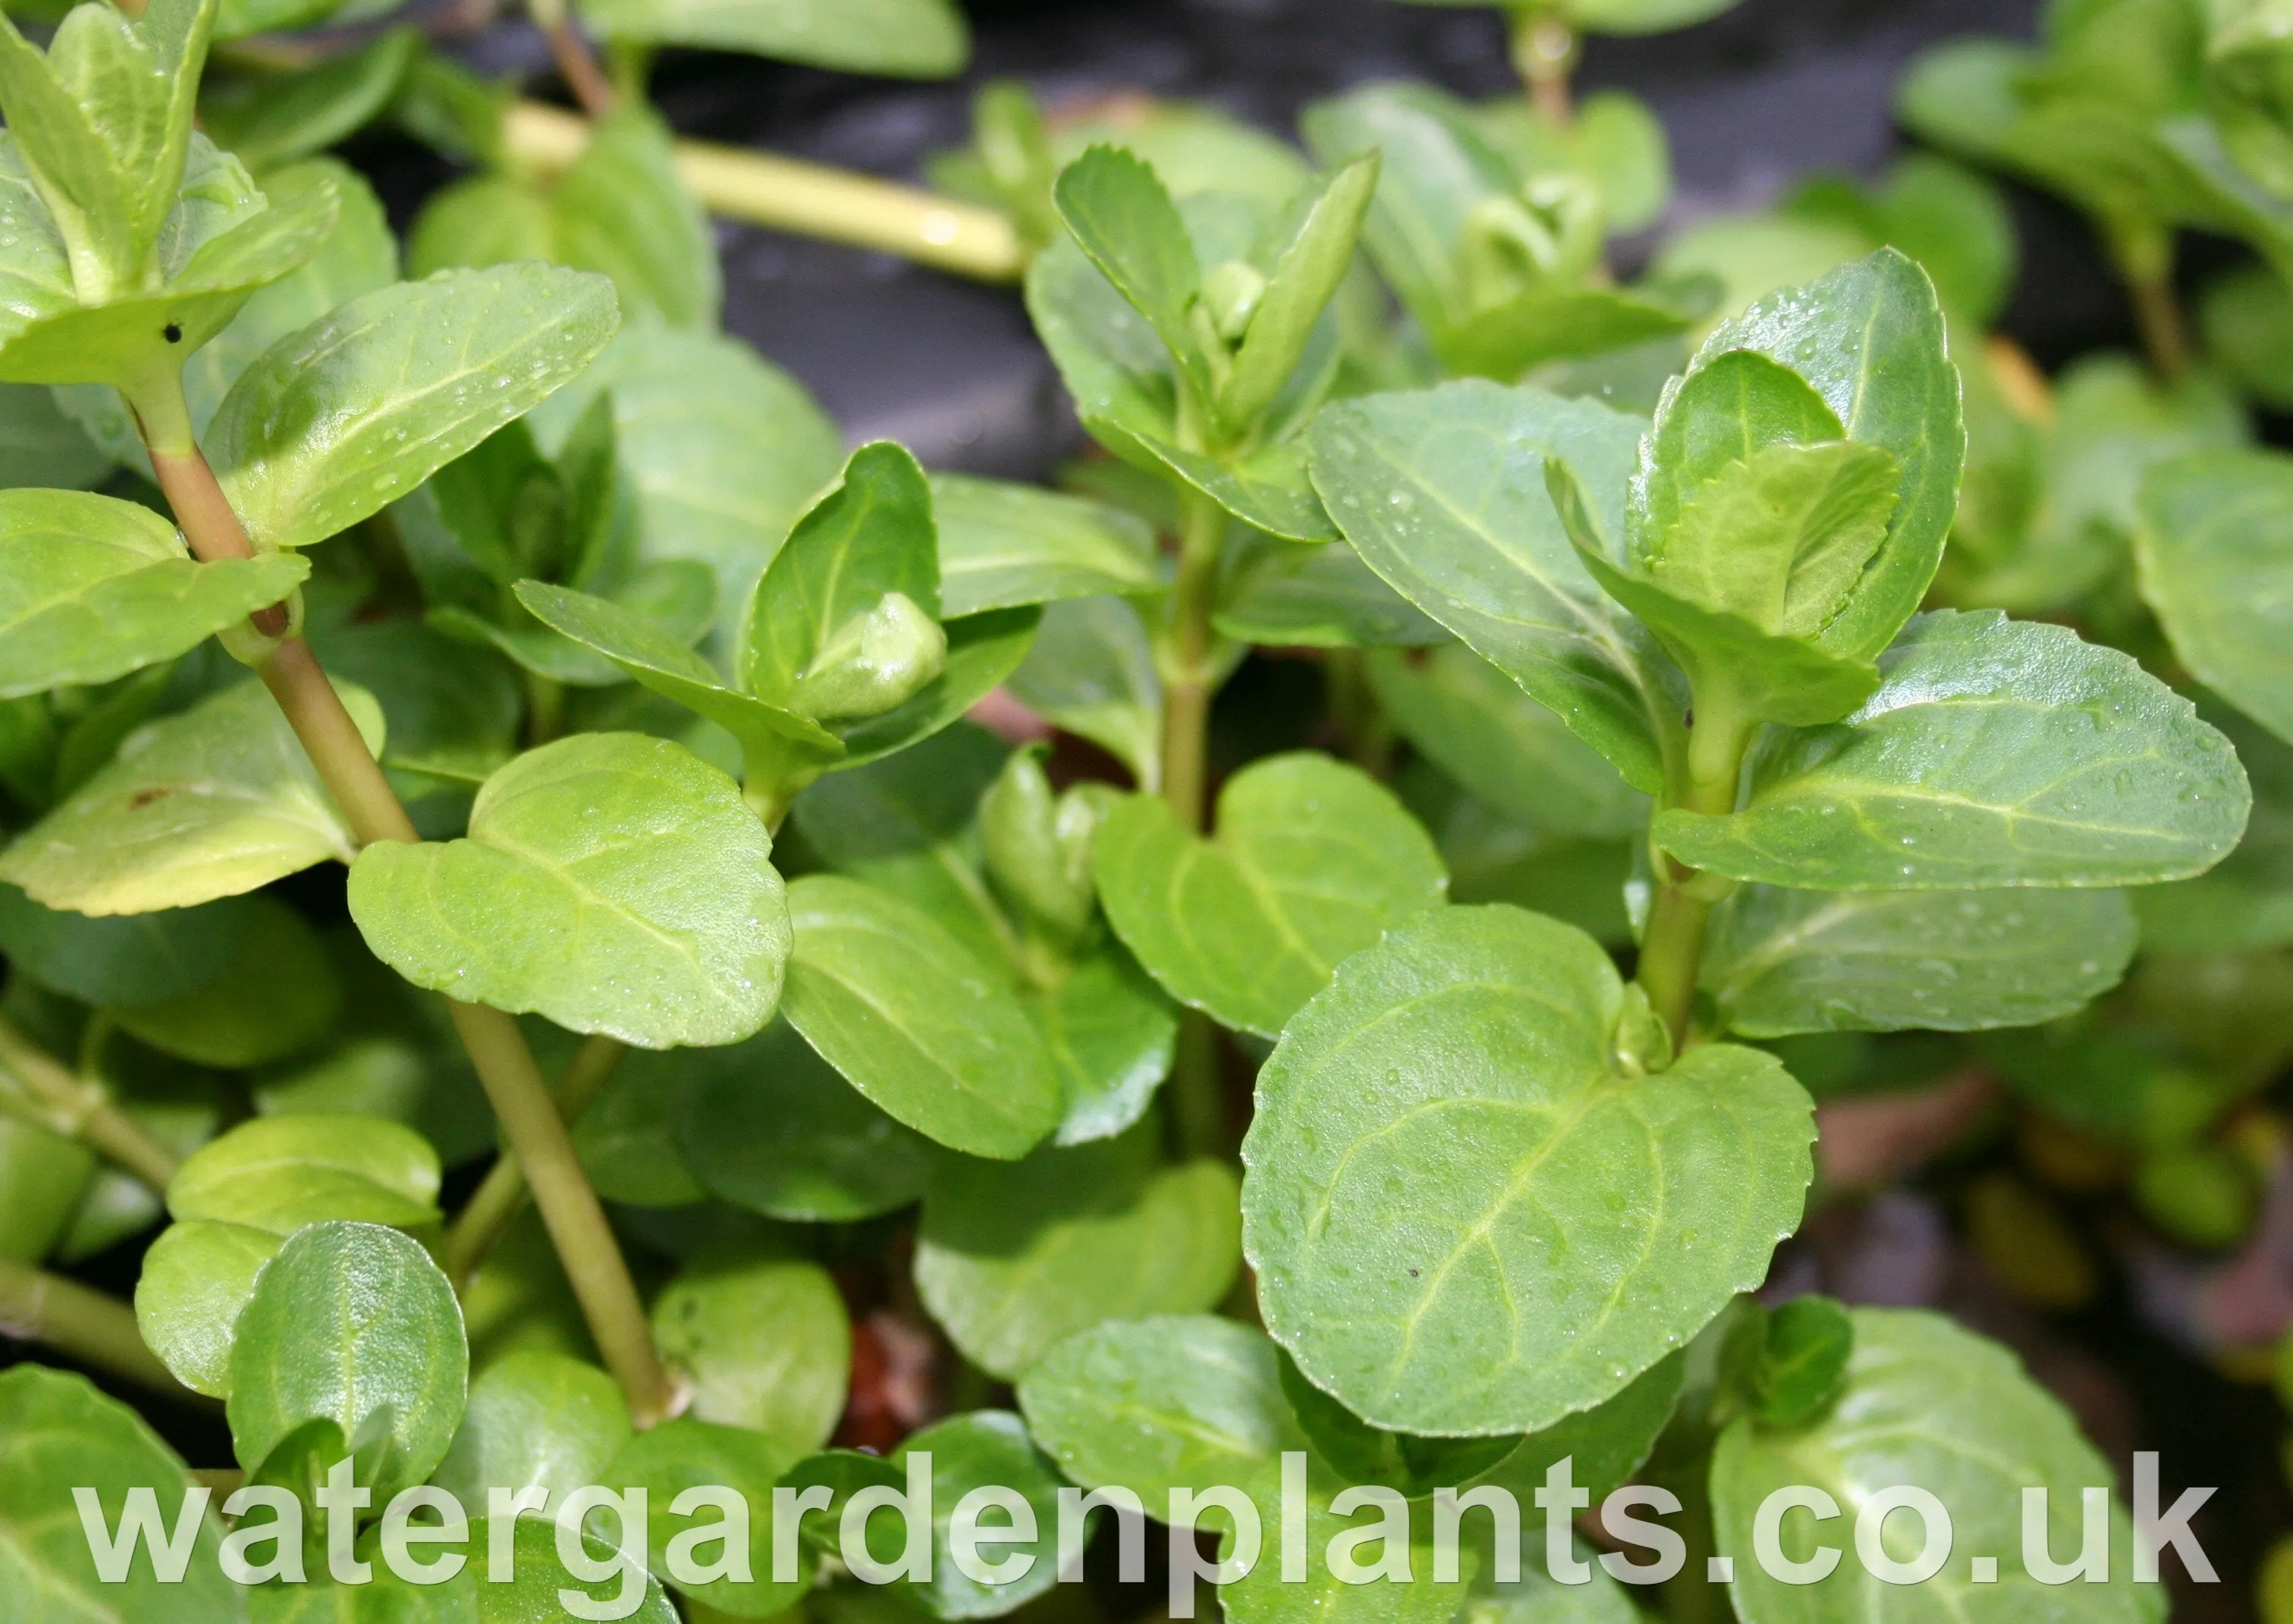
<point x="637" y="715"/>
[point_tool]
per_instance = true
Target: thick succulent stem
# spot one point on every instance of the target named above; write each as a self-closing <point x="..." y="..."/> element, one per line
<point x="83" y="1325"/>
<point x="501" y="1195"/>
<point x="538" y="1138"/>
<point x="811" y="199"/>
<point x="40" y="1088"/>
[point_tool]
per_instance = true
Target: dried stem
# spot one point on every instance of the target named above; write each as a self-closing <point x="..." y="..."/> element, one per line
<point x="569" y="1209"/>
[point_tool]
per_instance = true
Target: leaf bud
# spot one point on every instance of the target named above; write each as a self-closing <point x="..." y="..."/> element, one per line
<point x="1231" y="293"/>
<point x="875" y="661"/>
<point x="1038" y="847"/>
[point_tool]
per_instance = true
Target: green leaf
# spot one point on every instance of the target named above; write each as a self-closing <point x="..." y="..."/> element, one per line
<point x="985" y="1449"/>
<point x="916" y="1020"/>
<point x="1504" y="1280"/>
<point x="1003" y="545"/>
<point x="1780" y="962"/>
<point x="1550" y="323"/>
<point x="870" y="537"/>
<point x="1641" y="16"/>
<point x="115" y="963"/>
<point x="278" y="1174"/>
<point x="92" y="588"/>
<point x="1367" y="1454"/>
<point x="1300" y="280"/>
<point x="406" y="379"/>
<point x="1996" y="752"/>
<point x="1091" y="673"/>
<point x="1312" y="594"/>
<point x="277" y="997"/>
<point x="1606" y="1444"/>
<point x="2246" y="900"/>
<point x="57" y="1433"/>
<point x="274" y="119"/>
<point x="779" y="1133"/>
<point x="1443" y="493"/>
<point x="1125" y="221"/>
<point x="1011" y="1258"/>
<point x="764" y="1342"/>
<point x="918" y="39"/>
<point x="614" y="883"/>
<point x="628" y="1137"/>
<point x="639" y="647"/>
<point x="1476" y="724"/>
<point x="1869" y="337"/>
<point x="1161" y="1402"/>
<point x="2212" y="554"/>
<point x="1954" y="221"/>
<point x="215" y="801"/>
<point x="1925" y="1402"/>
<point x="536" y="1420"/>
<point x="1807" y="1344"/>
<point x="1112" y="1034"/>
<point x="197" y="1277"/>
<point x="723" y="450"/>
<point x="42" y="444"/>
<point x="685" y="1454"/>
<point x="351" y="1323"/>
<point x="1312" y="861"/>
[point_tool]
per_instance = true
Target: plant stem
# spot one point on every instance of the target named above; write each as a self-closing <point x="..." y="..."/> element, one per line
<point x="538" y="1138"/>
<point x="81" y="1324"/>
<point x="1545" y="51"/>
<point x="2165" y="332"/>
<point x="1197" y="1092"/>
<point x="810" y="199"/>
<point x="577" y="64"/>
<point x="501" y="1195"/>
<point x="1192" y="657"/>
<point x="1672" y="948"/>
<point x="1362" y="726"/>
<point x="76" y="1108"/>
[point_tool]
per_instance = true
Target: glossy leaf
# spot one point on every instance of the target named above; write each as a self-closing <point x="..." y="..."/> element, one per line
<point x="916" y="1020"/>
<point x="771" y="1127"/>
<point x="614" y="883"/>
<point x="351" y="1323"/>
<point x="215" y="801"/>
<point x="1929" y="1403"/>
<point x="197" y="1277"/>
<point x="1311" y="595"/>
<point x="92" y="588"/>
<point x="1780" y="962"/>
<point x="272" y="120"/>
<point x="405" y="379"/>
<point x="1122" y="217"/>
<point x="1300" y="279"/>
<point x="685" y="1454"/>
<point x="1510" y="1285"/>
<point x="1003" y="545"/>
<point x="2212" y="551"/>
<point x="1160" y="1402"/>
<point x="278" y="1174"/>
<point x="1477" y="725"/>
<point x="1011" y="1258"/>
<point x="1311" y="860"/>
<point x="535" y="1420"/>
<point x="122" y="962"/>
<point x="57" y="1433"/>
<point x="985" y="1449"/>
<point x="766" y="1343"/>
<point x="1996" y="752"/>
<point x="1443" y="493"/>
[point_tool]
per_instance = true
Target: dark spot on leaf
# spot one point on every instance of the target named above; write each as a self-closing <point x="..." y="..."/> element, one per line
<point x="172" y="333"/>
<point x="1413" y="1274"/>
<point x="1689" y="719"/>
<point x="144" y="797"/>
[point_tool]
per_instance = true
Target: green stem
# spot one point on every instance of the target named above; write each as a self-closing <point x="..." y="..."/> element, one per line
<point x="790" y="195"/>
<point x="569" y="1209"/>
<point x="2165" y="332"/>
<point x="1545" y="51"/>
<point x="544" y="709"/>
<point x="83" y="1325"/>
<point x="50" y="1095"/>
<point x="1198" y="1118"/>
<point x="500" y="1197"/>
<point x="1362" y="725"/>
<point x="1191" y="662"/>
<point x="1672" y="948"/>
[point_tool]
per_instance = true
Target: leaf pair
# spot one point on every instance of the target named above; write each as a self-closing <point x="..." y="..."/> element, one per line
<point x="842" y="656"/>
<point x="1230" y="361"/>
<point x="1493" y="263"/>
